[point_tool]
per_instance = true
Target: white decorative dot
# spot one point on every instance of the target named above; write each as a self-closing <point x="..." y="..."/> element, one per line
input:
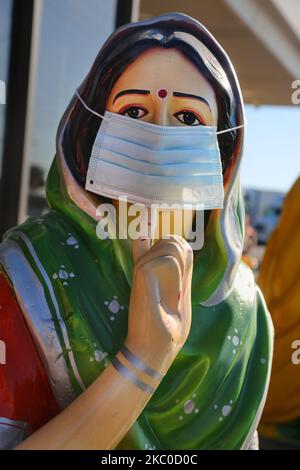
<point x="233" y="351"/>
<point x="72" y="241"/>
<point x="188" y="407"/>
<point x="226" y="410"/>
<point x="229" y="337"/>
<point x="72" y="275"/>
<point x="235" y="341"/>
<point x="262" y="360"/>
<point x="65" y="283"/>
<point x="63" y="274"/>
<point x="215" y="407"/>
<point x="99" y="355"/>
<point x="231" y="402"/>
<point x="235" y="330"/>
<point x="55" y="276"/>
<point x="114" y="306"/>
<point x="112" y="318"/>
<point x="221" y="419"/>
<point x="196" y="410"/>
<point x="180" y="417"/>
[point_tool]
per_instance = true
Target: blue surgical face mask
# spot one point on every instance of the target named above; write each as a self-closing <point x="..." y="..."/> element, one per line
<point x="152" y="164"/>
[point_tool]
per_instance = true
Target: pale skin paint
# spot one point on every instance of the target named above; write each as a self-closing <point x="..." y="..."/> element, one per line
<point x="160" y="302"/>
<point x="165" y="69"/>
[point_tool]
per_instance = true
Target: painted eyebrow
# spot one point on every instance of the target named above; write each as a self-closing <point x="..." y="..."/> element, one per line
<point x="131" y="92"/>
<point x="188" y="95"/>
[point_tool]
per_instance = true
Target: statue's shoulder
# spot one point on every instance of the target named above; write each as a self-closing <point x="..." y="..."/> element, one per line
<point x="35" y="257"/>
<point x="20" y="364"/>
<point x="39" y="238"/>
<point x="40" y="227"/>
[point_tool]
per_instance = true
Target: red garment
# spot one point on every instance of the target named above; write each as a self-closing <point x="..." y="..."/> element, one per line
<point x="25" y="393"/>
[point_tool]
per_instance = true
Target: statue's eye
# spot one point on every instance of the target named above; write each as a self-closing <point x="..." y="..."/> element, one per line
<point x="188" y="118"/>
<point x="135" y="112"/>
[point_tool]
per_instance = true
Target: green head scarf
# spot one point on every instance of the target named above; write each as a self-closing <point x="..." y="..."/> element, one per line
<point x="74" y="289"/>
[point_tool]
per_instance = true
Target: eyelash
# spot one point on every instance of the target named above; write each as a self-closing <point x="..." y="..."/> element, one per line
<point x="126" y="108"/>
<point x="182" y="111"/>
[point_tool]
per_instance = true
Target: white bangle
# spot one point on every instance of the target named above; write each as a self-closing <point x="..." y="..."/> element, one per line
<point x="140" y="365"/>
<point x="131" y="376"/>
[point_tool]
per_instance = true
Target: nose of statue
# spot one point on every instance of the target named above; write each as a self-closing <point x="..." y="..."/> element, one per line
<point x="161" y="117"/>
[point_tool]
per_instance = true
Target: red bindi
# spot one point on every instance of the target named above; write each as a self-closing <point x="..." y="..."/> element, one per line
<point x="162" y="93"/>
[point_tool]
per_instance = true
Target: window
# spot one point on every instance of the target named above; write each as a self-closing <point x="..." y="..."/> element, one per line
<point x="71" y="35"/>
<point x="5" y="24"/>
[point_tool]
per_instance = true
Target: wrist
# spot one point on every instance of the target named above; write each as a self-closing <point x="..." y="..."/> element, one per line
<point x="158" y="359"/>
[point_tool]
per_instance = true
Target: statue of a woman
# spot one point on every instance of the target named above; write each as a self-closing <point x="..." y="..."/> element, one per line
<point x="126" y="344"/>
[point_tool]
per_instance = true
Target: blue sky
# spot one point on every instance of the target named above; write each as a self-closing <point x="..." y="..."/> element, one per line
<point x="272" y="147"/>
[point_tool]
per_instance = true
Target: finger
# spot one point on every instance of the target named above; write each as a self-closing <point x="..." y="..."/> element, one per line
<point x="162" y="249"/>
<point x="144" y="243"/>
<point x="168" y="247"/>
<point x="183" y="243"/>
<point x="164" y="282"/>
<point x="152" y="224"/>
<point x="140" y="247"/>
<point x="188" y="252"/>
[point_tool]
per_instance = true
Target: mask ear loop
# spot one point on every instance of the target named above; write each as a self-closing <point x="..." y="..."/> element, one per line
<point x="106" y="119"/>
<point x="89" y="109"/>
<point x="232" y="128"/>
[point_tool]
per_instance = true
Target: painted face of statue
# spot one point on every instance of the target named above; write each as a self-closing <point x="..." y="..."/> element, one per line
<point x="163" y="87"/>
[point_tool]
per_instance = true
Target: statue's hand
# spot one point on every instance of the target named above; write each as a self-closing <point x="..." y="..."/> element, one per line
<point x="160" y="303"/>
